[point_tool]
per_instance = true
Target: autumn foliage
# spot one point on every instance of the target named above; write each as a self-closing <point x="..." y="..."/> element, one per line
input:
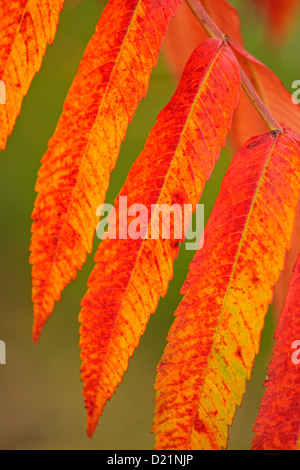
<point x="280" y="404"/>
<point x="215" y="336"/>
<point x="222" y="91"/>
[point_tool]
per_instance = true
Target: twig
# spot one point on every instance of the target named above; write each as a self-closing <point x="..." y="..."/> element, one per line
<point x="214" y="31"/>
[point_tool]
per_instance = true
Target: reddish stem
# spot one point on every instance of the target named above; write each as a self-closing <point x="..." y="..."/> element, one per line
<point x="214" y="31"/>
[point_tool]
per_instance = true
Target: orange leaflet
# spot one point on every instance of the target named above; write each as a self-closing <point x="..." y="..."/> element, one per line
<point x="278" y="423"/>
<point x="131" y="275"/>
<point x="213" y="341"/>
<point x="280" y="15"/>
<point x="73" y="180"/>
<point x="185" y="32"/>
<point x="26" y="26"/>
<point x="282" y="286"/>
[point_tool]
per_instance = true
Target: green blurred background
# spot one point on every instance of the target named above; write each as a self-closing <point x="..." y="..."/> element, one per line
<point x="41" y="404"/>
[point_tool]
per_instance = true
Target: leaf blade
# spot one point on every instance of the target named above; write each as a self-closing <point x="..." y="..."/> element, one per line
<point x="112" y="78"/>
<point x="27" y="26"/>
<point x="131" y="275"/>
<point x="278" y="423"/>
<point x="216" y="333"/>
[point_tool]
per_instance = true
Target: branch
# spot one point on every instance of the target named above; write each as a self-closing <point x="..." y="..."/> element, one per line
<point x="258" y="103"/>
<point x="208" y="24"/>
<point x="214" y="31"/>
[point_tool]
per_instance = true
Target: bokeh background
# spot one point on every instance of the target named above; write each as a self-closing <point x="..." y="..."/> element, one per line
<point x="41" y="404"/>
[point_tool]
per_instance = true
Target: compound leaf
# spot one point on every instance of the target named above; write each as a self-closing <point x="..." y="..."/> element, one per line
<point x="26" y="27"/>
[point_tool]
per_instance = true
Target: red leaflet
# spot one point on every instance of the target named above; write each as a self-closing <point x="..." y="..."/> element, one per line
<point x="26" y="29"/>
<point x="278" y="422"/>
<point x="216" y="334"/>
<point x="131" y="275"/>
<point x="112" y="78"/>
